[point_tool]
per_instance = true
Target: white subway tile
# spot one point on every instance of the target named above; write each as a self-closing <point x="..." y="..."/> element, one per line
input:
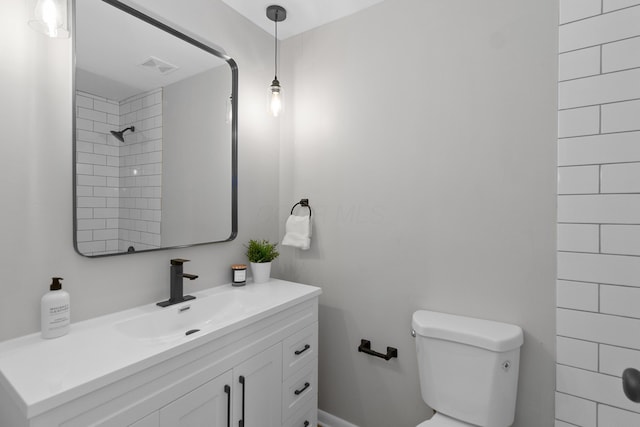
<point x="105" y="213"/>
<point x="572" y="10"/>
<point x="615" y="417"/>
<point x="619" y="147"/>
<point x="84" y="213"/>
<point x="599" y="268"/>
<point x="90" y="136"/>
<point x="577" y="295"/>
<point x="600" y="29"/>
<point x="602" y="208"/>
<point x="84" y="147"/>
<point x="106" y="107"/>
<point x="91" y="224"/>
<point x="579" y="237"/>
<point x="621" y="55"/>
<point x="609" y="5"/>
<point x="577" y="353"/>
<point x="91" y="202"/>
<point x="84" y="235"/>
<point x="84" y="169"/>
<point x="112" y="246"/>
<point x="602" y="328"/>
<point x="84" y="102"/>
<point x="579" y="122"/>
<point x="96" y="116"/>
<point x="84" y="191"/>
<point x="578" y="180"/>
<point x="90" y="180"/>
<point x="620" y="301"/>
<point x="620" y="239"/>
<point x="90" y="248"/>
<point x="106" y="234"/>
<point x="574" y="410"/>
<point x="621" y="178"/>
<point x="592" y="386"/>
<point x="92" y="159"/>
<point x="84" y="124"/>
<point x="579" y="63"/>
<point x="613" y="87"/>
<point x="621" y="116"/>
<point x="614" y="360"/>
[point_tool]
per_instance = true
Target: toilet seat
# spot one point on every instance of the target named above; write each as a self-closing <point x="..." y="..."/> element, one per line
<point x="439" y="420"/>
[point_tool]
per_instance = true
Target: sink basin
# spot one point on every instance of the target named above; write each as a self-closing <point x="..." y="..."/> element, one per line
<point x="191" y="317"/>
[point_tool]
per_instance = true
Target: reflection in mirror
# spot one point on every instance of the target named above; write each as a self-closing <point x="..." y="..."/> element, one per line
<point x="155" y="135"/>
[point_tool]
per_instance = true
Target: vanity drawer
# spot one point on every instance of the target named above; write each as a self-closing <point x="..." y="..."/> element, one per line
<point x="306" y="416"/>
<point x="299" y="390"/>
<point x="299" y="349"/>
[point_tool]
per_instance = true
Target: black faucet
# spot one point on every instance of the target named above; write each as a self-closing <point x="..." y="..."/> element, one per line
<point x="176" y="293"/>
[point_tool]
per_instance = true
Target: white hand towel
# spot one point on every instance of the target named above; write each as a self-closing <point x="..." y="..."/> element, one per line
<point x="298" y="232"/>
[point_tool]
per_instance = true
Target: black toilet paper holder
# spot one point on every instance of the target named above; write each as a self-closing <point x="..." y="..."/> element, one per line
<point x="365" y="347"/>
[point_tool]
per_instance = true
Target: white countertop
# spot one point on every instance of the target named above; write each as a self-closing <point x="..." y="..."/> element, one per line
<point x="41" y="374"/>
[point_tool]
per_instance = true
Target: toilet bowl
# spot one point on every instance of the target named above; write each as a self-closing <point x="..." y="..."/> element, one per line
<point x="439" y="420"/>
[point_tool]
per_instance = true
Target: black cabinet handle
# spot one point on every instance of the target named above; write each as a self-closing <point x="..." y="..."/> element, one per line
<point x="299" y="352"/>
<point x="227" y="390"/>
<point x="241" y="422"/>
<point x="299" y="391"/>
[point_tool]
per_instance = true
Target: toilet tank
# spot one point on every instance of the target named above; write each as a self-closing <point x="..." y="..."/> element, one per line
<point x="468" y="367"/>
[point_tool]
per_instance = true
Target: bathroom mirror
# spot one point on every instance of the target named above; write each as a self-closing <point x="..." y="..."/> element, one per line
<point x="155" y="134"/>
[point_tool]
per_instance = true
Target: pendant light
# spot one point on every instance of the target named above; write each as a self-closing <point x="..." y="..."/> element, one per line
<point x="50" y="18"/>
<point x="276" y="14"/>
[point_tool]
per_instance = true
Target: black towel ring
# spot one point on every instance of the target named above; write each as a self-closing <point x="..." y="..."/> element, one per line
<point x="304" y="203"/>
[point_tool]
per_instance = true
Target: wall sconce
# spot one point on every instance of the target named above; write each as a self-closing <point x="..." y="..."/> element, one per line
<point x="276" y="14"/>
<point x="50" y="17"/>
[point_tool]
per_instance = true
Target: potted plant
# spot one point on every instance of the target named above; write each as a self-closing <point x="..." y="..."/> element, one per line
<point x="260" y="254"/>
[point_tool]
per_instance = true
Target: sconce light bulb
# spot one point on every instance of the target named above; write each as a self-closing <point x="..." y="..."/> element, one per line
<point x="275" y="103"/>
<point x="48" y="18"/>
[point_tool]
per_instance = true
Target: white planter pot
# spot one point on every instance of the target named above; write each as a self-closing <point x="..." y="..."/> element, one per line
<point x="261" y="271"/>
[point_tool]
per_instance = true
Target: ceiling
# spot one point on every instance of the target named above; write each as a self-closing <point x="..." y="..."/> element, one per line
<point x="302" y="15"/>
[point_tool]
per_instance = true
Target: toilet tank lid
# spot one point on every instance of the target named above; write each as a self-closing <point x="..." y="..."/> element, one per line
<point x="488" y="334"/>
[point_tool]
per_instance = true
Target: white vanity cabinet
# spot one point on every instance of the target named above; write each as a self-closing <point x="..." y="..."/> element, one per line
<point x="258" y="372"/>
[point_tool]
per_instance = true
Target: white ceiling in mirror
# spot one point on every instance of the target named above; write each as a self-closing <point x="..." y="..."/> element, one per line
<point x="146" y="57"/>
<point x="301" y="15"/>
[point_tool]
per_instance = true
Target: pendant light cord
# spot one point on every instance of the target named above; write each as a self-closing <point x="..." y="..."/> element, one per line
<point x="275" y="59"/>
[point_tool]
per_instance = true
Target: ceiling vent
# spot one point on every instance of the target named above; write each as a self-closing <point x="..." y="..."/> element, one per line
<point x="163" y="67"/>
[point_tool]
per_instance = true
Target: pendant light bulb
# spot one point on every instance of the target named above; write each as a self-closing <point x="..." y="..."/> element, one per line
<point x="275" y="102"/>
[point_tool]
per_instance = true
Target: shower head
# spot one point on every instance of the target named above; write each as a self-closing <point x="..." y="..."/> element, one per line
<point x="120" y="134"/>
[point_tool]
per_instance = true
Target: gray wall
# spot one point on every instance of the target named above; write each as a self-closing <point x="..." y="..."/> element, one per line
<point x="196" y="163"/>
<point x="35" y="165"/>
<point x="423" y="133"/>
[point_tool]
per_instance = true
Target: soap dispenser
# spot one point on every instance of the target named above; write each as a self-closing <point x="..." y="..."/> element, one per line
<point x="55" y="311"/>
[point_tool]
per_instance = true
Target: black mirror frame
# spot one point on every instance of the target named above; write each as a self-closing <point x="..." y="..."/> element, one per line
<point x="234" y="123"/>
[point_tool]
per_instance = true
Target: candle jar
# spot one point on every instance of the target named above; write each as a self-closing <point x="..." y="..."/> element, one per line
<point x="239" y="274"/>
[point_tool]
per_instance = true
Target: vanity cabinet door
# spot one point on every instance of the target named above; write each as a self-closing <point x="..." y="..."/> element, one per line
<point x="257" y="392"/>
<point x="208" y="405"/>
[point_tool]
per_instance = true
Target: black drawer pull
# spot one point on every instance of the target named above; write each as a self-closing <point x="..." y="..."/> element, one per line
<point x="299" y="391"/>
<point x="299" y="352"/>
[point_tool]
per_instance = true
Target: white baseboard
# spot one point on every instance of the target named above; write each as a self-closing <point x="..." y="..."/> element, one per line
<point x="325" y="419"/>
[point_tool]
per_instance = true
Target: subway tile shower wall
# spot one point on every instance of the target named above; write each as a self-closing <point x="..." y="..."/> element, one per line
<point x="598" y="287"/>
<point x="118" y="184"/>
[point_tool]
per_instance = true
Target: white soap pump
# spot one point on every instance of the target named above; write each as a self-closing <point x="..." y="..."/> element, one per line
<point x="55" y="311"/>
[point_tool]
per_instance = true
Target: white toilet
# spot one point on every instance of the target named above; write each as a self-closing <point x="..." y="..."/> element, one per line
<point x="468" y="369"/>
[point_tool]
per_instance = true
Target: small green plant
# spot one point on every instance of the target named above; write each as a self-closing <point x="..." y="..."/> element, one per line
<point x="261" y="251"/>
